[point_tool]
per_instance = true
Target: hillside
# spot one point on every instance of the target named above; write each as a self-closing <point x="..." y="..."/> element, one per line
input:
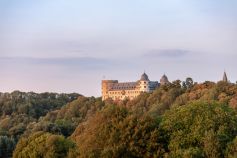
<point x="19" y="110"/>
<point x="180" y="119"/>
<point x="192" y="120"/>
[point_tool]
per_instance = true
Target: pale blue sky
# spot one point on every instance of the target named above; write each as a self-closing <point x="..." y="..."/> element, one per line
<point x="69" y="45"/>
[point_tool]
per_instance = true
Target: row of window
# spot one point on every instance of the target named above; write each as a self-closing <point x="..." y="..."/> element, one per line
<point x="120" y="97"/>
<point x="129" y="92"/>
<point x="124" y="87"/>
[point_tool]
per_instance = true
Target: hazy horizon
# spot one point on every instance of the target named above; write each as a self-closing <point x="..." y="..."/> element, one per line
<point x="69" y="46"/>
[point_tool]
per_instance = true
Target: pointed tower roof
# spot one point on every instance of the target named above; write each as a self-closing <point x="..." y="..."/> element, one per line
<point x="164" y="80"/>
<point x="144" y="77"/>
<point x="225" y="79"/>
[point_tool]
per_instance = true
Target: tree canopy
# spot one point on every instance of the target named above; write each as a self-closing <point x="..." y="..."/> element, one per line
<point x="179" y="119"/>
<point x="42" y="144"/>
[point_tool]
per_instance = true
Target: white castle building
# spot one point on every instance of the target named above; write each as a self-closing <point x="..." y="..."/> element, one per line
<point x="130" y="90"/>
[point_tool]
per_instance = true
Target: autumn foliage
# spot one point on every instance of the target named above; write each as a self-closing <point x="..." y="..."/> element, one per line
<point x="180" y="119"/>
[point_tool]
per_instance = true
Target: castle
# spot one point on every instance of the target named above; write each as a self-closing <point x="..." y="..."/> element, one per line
<point x="130" y="90"/>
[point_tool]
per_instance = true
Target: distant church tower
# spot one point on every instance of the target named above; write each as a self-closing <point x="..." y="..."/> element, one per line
<point x="225" y="79"/>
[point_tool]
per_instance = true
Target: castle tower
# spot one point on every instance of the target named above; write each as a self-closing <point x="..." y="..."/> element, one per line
<point x="225" y="79"/>
<point x="144" y="83"/>
<point x="106" y="85"/>
<point x="164" y="80"/>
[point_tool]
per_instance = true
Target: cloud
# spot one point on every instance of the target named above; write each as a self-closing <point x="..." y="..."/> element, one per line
<point x="77" y="62"/>
<point x="166" y="53"/>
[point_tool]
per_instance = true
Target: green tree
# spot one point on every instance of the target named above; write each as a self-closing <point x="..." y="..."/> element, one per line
<point x="6" y="146"/>
<point x="231" y="151"/>
<point x="43" y="145"/>
<point x="115" y="132"/>
<point x="205" y="127"/>
<point x="188" y="83"/>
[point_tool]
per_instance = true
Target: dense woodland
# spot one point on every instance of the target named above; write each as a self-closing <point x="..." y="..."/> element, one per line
<point x="19" y="110"/>
<point x="180" y="119"/>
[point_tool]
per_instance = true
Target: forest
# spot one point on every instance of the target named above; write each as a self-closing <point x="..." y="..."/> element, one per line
<point x="182" y="119"/>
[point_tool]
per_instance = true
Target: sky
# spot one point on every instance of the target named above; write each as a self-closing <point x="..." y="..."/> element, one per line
<point x="71" y="45"/>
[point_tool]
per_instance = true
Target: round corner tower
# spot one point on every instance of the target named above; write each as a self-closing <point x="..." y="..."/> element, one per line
<point x="144" y="83"/>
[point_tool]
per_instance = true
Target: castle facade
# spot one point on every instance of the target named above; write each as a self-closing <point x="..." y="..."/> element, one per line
<point x="130" y="90"/>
